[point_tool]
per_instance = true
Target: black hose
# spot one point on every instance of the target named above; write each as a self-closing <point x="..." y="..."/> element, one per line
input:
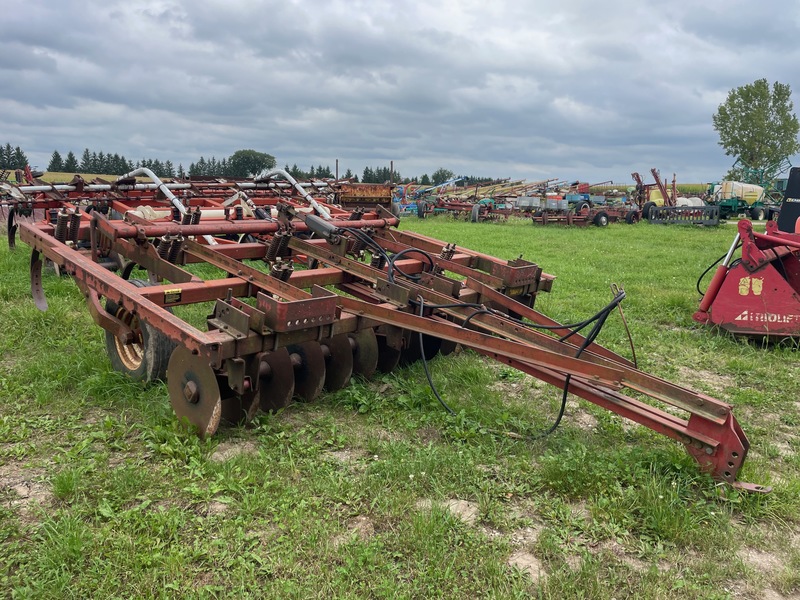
<point x="711" y="266"/>
<point x="599" y="320"/>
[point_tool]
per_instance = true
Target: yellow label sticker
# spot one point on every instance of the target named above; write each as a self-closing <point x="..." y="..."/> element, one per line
<point x="172" y="296"/>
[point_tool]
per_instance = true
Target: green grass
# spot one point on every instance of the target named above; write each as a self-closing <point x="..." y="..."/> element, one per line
<point x="103" y="495"/>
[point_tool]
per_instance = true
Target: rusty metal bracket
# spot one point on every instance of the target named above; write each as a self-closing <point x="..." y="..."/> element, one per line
<point x="293" y="315"/>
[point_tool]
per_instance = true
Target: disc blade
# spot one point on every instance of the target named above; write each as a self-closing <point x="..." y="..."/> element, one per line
<point x="338" y="362"/>
<point x="276" y="380"/>
<point x="365" y="352"/>
<point x="388" y="357"/>
<point x="309" y="371"/>
<point x="237" y="408"/>
<point x="194" y="391"/>
<point x="412" y="351"/>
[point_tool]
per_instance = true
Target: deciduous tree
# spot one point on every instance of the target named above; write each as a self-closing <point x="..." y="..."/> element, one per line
<point x="757" y="124"/>
<point x="249" y="163"/>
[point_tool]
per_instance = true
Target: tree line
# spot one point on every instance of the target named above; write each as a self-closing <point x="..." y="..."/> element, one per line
<point x="12" y="158"/>
<point x="241" y="164"/>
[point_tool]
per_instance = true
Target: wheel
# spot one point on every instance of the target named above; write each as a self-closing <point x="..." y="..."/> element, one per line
<point x="601" y="219"/>
<point x="581" y="206"/>
<point x="757" y="213"/>
<point x="647" y="209"/>
<point x="421" y="206"/>
<point x="147" y="357"/>
<point x="632" y="217"/>
<point x="476" y="212"/>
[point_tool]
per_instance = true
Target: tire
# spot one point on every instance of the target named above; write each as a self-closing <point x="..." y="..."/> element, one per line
<point x="647" y="209"/>
<point x="476" y="212"/>
<point x="145" y="360"/>
<point x="601" y="219"/>
<point x="581" y="206"/>
<point x="421" y="206"/>
<point x="632" y="217"/>
<point x="757" y="213"/>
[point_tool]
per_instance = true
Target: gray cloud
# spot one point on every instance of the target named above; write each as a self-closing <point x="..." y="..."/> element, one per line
<point x="577" y="90"/>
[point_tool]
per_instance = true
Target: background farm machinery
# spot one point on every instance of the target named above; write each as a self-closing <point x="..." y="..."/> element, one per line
<point x="758" y="294"/>
<point x="663" y="205"/>
<point x="300" y="294"/>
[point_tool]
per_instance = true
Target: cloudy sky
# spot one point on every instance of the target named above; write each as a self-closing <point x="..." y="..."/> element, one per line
<point x="504" y="88"/>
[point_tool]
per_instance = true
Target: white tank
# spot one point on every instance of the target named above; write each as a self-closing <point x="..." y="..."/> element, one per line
<point x="692" y="201"/>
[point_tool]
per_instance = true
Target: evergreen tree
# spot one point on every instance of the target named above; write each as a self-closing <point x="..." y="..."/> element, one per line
<point x="71" y="163"/>
<point x="425" y="180"/>
<point x="56" y="162"/>
<point x="19" y="161"/>
<point x="86" y="162"/>
<point x="169" y="169"/>
<point x="8" y="157"/>
<point x="181" y="172"/>
<point x="348" y="174"/>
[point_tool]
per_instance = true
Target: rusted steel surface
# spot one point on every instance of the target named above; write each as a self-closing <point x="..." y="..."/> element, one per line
<point x="278" y="329"/>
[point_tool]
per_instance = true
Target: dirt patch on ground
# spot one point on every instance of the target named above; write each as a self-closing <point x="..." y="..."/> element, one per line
<point x="428" y="435"/>
<point x="358" y="528"/>
<point x="467" y="511"/>
<point x="228" y="450"/>
<point x="704" y="379"/>
<point x="344" y="456"/>
<point x="216" y="508"/>
<point x="528" y="564"/>
<point x="763" y="562"/>
<point x="618" y="551"/>
<point x="525" y="537"/>
<point x="583" y="420"/>
<point x="24" y="489"/>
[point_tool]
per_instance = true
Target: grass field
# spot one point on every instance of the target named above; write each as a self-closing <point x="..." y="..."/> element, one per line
<point x="374" y="491"/>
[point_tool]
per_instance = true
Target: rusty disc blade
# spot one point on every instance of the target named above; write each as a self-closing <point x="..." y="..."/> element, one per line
<point x="447" y="347"/>
<point x="412" y="351"/>
<point x="365" y="352"/>
<point x="194" y="391"/>
<point x="237" y="408"/>
<point x="309" y="371"/>
<point x="338" y="363"/>
<point x="276" y="380"/>
<point x="388" y="357"/>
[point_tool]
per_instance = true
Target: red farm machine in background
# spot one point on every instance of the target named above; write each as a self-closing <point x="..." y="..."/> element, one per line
<point x="758" y="294"/>
<point x="305" y="294"/>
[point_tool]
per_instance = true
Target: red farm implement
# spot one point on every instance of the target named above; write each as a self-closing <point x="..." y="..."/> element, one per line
<point x="758" y="294"/>
<point x="277" y="330"/>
